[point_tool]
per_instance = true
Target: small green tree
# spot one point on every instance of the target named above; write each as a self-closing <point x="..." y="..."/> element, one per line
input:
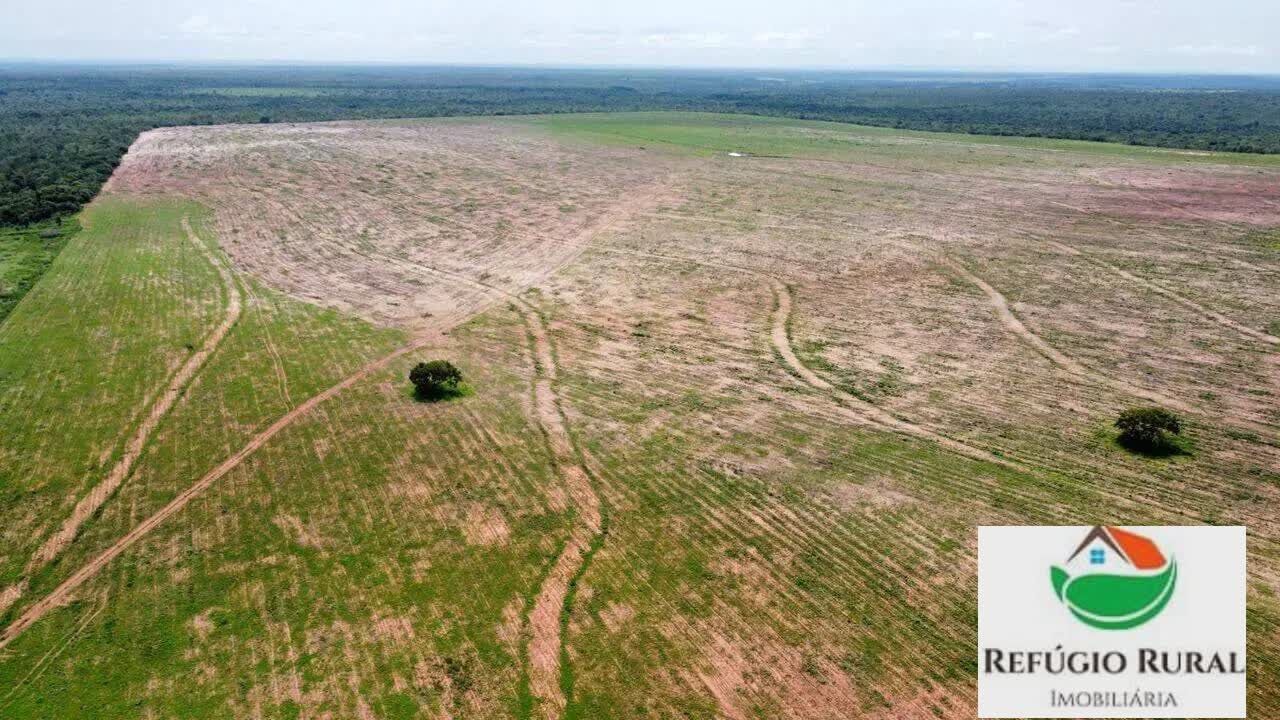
<point x="1144" y="428"/>
<point x="435" y="379"/>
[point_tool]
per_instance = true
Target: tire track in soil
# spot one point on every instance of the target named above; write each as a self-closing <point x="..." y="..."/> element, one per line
<point x="856" y="406"/>
<point x="547" y="654"/>
<point x="546" y="401"/>
<point x="851" y="406"/>
<point x="545" y="658"/>
<point x="1159" y="289"/>
<point x="277" y="363"/>
<point x="861" y="411"/>
<point x="160" y="407"/>
<point x="1015" y="326"/>
<point x="1075" y="367"/>
<point x="62" y="593"/>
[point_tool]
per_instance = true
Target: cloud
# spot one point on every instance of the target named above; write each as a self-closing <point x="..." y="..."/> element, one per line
<point x="764" y="39"/>
<point x="1220" y="50"/>
<point x="791" y="39"/>
<point x="543" y="40"/>
<point x="686" y="40"/>
<point x="1116" y="35"/>
<point x="1062" y="33"/>
<point x="195" y="24"/>
<point x="598" y="33"/>
<point x="201" y="27"/>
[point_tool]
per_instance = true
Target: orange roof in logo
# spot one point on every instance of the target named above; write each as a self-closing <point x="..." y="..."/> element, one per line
<point x="1142" y="553"/>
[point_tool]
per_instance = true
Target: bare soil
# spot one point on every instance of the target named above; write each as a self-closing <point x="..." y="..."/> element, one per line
<point x="777" y="393"/>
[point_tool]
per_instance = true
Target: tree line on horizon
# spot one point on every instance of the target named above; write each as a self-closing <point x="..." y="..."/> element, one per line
<point x="63" y="130"/>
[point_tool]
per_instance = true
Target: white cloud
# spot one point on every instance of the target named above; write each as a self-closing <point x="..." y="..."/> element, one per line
<point x="792" y="39"/>
<point x="201" y="27"/>
<point x="1062" y="33"/>
<point x="1210" y="50"/>
<point x="687" y="39"/>
<point x="1108" y="35"/>
<point x="195" y="24"/>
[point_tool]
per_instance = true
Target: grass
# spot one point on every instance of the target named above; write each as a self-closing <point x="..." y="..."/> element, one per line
<point x="83" y="352"/>
<point x="711" y="133"/>
<point x="380" y="556"/>
<point x="1268" y="238"/>
<point x="313" y="515"/>
<point x="25" y="255"/>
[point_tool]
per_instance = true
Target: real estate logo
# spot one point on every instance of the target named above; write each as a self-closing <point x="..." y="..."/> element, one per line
<point x="1115" y="579"/>
<point x="1110" y="621"/>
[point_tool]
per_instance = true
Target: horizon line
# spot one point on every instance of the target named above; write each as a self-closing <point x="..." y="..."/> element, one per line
<point x="903" y="69"/>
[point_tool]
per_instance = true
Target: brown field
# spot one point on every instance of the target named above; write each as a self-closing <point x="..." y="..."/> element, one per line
<point x="732" y="421"/>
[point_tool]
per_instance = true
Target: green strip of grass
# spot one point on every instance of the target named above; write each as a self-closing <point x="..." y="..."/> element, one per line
<point x="25" y="255"/>
<point x="711" y="133"/>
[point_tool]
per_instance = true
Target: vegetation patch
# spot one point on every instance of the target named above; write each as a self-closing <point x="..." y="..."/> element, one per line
<point x="436" y="380"/>
<point x="772" y="550"/>
<point x="1150" y="431"/>
<point x="1268" y="238"/>
<point x="25" y="254"/>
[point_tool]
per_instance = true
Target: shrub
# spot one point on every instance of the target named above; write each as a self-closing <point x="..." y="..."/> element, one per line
<point x="435" y="379"/>
<point x="1145" y="428"/>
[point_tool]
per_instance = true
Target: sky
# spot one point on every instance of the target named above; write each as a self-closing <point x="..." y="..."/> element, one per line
<point x="1224" y="36"/>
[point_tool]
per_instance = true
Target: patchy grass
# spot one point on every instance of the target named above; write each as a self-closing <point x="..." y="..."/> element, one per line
<point x="25" y="255"/>
<point x="367" y="492"/>
<point x="712" y="133"/>
<point x="771" y="550"/>
<point x="1268" y="238"/>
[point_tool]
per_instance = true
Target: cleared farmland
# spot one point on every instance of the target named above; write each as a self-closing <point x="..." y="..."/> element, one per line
<point x="733" y="417"/>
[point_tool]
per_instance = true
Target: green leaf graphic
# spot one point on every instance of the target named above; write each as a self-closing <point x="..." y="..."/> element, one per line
<point x="1059" y="578"/>
<point x="1116" y="602"/>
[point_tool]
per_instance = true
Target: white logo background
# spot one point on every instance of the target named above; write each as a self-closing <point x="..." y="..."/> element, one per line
<point x="1018" y="611"/>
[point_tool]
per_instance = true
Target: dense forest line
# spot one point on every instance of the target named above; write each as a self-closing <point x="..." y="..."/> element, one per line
<point x="63" y="129"/>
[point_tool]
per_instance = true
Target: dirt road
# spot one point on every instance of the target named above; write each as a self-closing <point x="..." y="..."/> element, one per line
<point x="89" y="505"/>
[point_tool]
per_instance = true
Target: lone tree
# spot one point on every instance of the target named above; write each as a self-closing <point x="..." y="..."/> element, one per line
<point x="435" y="379"/>
<point x="1144" y="428"/>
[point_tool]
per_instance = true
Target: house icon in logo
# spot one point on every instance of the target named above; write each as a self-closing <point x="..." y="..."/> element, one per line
<point x="1115" y="579"/>
<point x="1112" y="549"/>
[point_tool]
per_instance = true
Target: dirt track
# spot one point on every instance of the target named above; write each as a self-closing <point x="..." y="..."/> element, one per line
<point x="1182" y="300"/>
<point x="1011" y="322"/>
<point x="861" y="408"/>
<point x="823" y="313"/>
<point x="546" y="641"/>
<point x="1015" y="326"/>
<point x="545" y="616"/>
<point x="854" y="408"/>
<point x="94" y="500"/>
<point x="63" y="592"/>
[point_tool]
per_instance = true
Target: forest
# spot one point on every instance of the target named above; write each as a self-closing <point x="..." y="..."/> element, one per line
<point x="63" y="128"/>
